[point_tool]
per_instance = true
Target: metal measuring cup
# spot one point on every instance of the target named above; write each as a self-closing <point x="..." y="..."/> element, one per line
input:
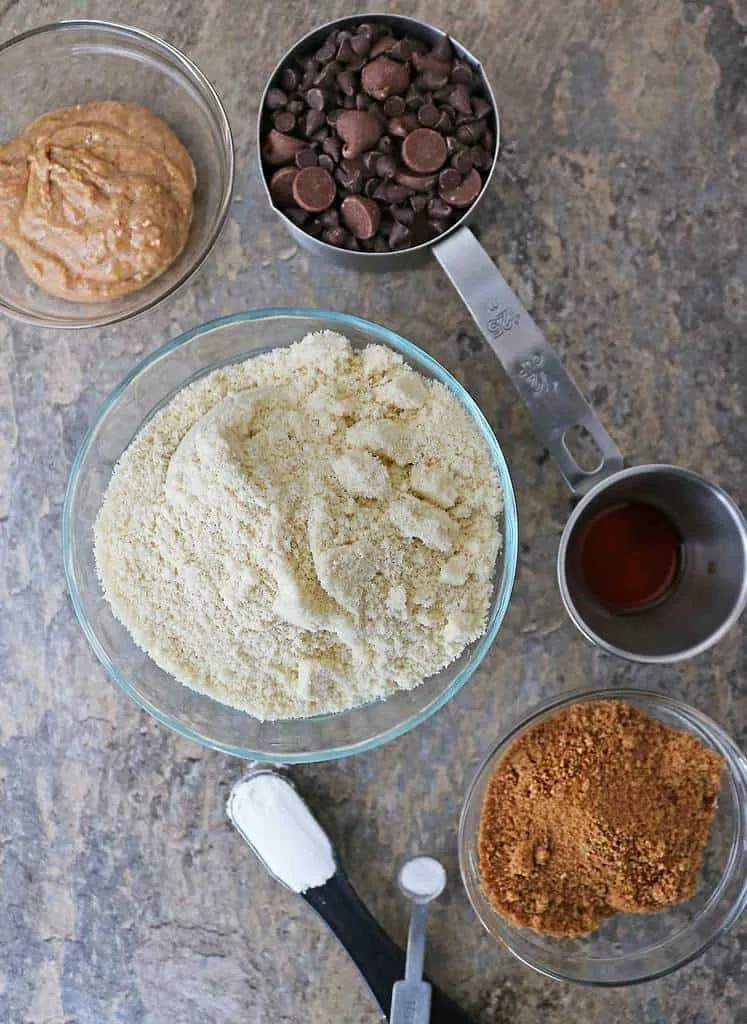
<point x="710" y="591"/>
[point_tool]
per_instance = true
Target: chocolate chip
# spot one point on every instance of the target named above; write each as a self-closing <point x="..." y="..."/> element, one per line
<point x="445" y="124"/>
<point x="345" y="51"/>
<point x="289" y="79"/>
<point x="448" y="180"/>
<point x="326" y="162"/>
<point x="480" y="107"/>
<point x="281" y="186"/>
<point x="394" y="106"/>
<point x="361" y="44"/>
<point x="424" y="151"/>
<point x="430" y="62"/>
<point x="402" y="126"/>
<point x="284" y="121"/>
<point x="316" y="99"/>
<point x="384" y="77"/>
<point x="385" y="43"/>
<point x="417" y="182"/>
<point x="315" y="120"/>
<point x="351" y="178"/>
<point x="332" y="116"/>
<point x="281" y="149"/>
<point x="414" y="99"/>
<point x="461" y="73"/>
<point x="459" y="99"/>
<point x="465" y="193"/>
<point x="321" y="135"/>
<point x="488" y="141"/>
<point x="327" y="77"/>
<point x="306" y="158"/>
<point x="403" y="49"/>
<point x="404" y="214"/>
<point x="313" y="227"/>
<point x="386" y="167"/>
<point x="297" y="215"/>
<point x="481" y="158"/>
<point x="428" y="115"/>
<point x="386" y="145"/>
<point x="380" y="245"/>
<point x="453" y="145"/>
<point x="346" y="82"/>
<point x="399" y="236"/>
<point x="443" y="50"/>
<point x="438" y="209"/>
<point x="330" y="219"/>
<point x="359" y="129"/>
<point x="433" y="79"/>
<point x="462" y="161"/>
<point x="361" y="216"/>
<point x="333" y="148"/>
<point x="418" y="203"/>
<point x="314" y="189"/>
<point x="334" y="236"/>
<point x="275" y="99"/>
<point x="471" y="131"/>
<point x="371" y="187"/>
<point x="391" y="193"/>
<point x="296" y="106"/>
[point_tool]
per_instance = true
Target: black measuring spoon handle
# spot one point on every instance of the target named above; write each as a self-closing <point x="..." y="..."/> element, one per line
<point x="380" y="960"/>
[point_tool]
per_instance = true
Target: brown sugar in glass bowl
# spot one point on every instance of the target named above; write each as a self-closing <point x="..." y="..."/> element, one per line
<point x="626" y="947"/>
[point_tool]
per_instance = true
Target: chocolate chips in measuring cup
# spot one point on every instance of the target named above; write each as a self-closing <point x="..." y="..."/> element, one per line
<point x="376" y="141"/>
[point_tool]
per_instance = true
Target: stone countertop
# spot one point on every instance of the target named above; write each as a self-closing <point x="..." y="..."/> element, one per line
<point x="618" y="212"/>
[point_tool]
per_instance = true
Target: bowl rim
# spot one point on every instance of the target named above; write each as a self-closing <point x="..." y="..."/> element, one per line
<point x="693" y="721"/>
<point x="188" y="69"/>
<point x="509" y="529"/>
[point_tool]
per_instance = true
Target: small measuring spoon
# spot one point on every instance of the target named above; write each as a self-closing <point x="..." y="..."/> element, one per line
<point x="422" y="880"/>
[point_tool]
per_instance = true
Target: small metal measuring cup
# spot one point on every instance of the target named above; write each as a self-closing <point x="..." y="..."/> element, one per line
<point x="710" y="591"/>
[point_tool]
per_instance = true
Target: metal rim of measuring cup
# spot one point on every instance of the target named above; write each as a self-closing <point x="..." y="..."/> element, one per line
<point x="576" y="517"/>
<point x="398" y="257"/>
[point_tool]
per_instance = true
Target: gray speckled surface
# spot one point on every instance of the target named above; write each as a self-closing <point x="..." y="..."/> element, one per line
<point x="618" y="212"/>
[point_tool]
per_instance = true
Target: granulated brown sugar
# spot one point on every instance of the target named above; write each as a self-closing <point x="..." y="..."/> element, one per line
<point x="598" y="809"/>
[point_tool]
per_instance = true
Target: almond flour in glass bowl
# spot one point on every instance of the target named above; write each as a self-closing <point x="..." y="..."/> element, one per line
<point x="150" y="386"/>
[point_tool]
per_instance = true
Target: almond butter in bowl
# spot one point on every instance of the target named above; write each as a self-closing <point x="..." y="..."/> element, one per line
<point x="596" y="810"/>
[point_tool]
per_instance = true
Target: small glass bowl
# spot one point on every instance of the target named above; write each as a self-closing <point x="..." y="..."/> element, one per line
<point x="71" y="62"/>
<point x="151" y="385"/>
<point x="629" y="948"/>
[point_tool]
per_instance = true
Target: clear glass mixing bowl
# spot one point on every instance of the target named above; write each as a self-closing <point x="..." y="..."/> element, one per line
<point x="629" y="948"/>
<point x="150" y="386"/>
<point x="70" y="62"/>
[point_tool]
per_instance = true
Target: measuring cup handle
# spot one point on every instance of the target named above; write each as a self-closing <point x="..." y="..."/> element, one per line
<point x="550" y="394"/>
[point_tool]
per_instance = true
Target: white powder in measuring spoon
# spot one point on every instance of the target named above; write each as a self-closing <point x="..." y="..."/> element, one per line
<point x="271" y="816"/>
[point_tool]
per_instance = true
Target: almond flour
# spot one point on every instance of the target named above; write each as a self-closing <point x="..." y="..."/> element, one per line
<point x="303" y="532"/>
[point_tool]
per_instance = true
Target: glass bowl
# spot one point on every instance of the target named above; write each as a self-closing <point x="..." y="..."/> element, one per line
<point x="629" y="948"/>
<point x="70" y="62"/>
<point x="150" y="386"/>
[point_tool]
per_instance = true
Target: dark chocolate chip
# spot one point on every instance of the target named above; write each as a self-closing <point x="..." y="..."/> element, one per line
<point x="275" y="99"/>
<point x="281" y="186"/>
<point x="346" y="82"/>
<point x="385" y="43"/>
<point x="349" y="103"/>
<point x="327" y="52"/>
<point x="424" y="151"/>
<point x="442" y="50"/>
<point x="359" y="129"/>
<point x="289" y="79"/>
<point x="438" y="227"/>
<point x="453" y="145"/>
<point x="480" y="107"/>
<point x="414" y="99"/>
<point x="371" y="187"/>
<point x="315" y="120"/>
<point x="438" y="209"/>
<point x="386" y="144"/>
<point x="465" y="193"/>
<point x="461" y="73"/>
<point x="332" y="116"/>
<point x="404" y="214"/>
<point x="462" y="161"/>
<point x="321" y="135"/>
<point x="399" y="236"/>
<point x="396" y="194"/>
<point x="428" y="115"/>
<point x="334" y="236"/>
<point x="401" y="126"/>
<point x="402" y="49"/>
<point x="362" y="102"/>
<point x="448" y="180"/>
<point x="369" y="160"/>
<point x="350" y="178"/>
<point x="418" y="202"/>
<point x="306" y="158"/>
<point x="383" y="77"/>
<point x="394" y="106"/>
<point x="327" y="77"/>
<point x="417" y="182"/>
<point x="314" y="189"/>
<point x="386" y="166"/>
<point x="296" y="106"/>
<point x="445" y="125"/>
<point x="326" y="162"/>
<point x="316" y="99"/>
<point x="459" y="99"/>
<point x="297" y="215"/>
<point x="361" y="216"/>
<point x="330" y="218"/>
<point x="284" y="121"/>
<point x="313" y="227"/>
<point x="280" y="148"/>
<point x="345" y="51"/>
<point x="333" y="148"/>
<point x="361" y="44"/>
<point x="471" y="132"/>
<point x="430" y="62"/>
<point x="432" y="79"/>
<point x="481" y="158"/>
